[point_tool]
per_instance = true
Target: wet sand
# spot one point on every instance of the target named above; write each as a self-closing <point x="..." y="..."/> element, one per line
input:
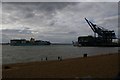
<point x="100" y="66"/>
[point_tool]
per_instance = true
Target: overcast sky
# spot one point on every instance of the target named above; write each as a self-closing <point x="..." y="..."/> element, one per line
<point x="56" y="21"/>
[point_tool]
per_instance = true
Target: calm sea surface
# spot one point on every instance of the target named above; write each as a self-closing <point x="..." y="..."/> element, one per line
<point x="18" y="54"/>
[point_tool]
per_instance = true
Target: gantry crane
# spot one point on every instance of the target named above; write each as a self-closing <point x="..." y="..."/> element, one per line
<point x="104" y="35"/>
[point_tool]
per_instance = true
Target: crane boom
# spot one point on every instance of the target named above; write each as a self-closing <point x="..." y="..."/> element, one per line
<point x="90" y="25"/>
<point x="102" y="32"/>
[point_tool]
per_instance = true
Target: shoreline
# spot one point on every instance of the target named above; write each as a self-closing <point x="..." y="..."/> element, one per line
<point x="98" y="66"/>
<point x="44" y="60"/>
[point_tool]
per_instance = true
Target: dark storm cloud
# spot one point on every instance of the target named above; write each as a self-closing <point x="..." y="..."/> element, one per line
<point x="28" y="10"/>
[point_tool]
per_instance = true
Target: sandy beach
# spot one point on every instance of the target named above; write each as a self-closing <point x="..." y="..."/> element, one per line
<point x="100" y="66"/>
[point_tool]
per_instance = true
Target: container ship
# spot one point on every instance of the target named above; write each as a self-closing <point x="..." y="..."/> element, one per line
<point x="102" y="37"/>
<point x="31" y="42"/>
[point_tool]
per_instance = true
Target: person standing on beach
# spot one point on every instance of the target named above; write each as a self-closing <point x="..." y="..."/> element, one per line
<point x="58" y="57"/>
<point x="61" y="58"/>
<point x="46" y="59"/>
<point x="41" y="59"/>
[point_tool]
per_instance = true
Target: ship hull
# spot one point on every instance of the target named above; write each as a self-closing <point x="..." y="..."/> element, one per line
<point x="99" y="45"/>
<point x="28" y="44"/>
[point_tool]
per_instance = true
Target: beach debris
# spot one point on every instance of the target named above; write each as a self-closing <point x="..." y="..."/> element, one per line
<point x="87" y="78"/>
<point x="7" y="67"/>
<point x="85" y="55"/>
<point x="77" y="77"/>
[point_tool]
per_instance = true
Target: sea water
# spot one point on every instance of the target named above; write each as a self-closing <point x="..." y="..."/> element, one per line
<point x="20" y="54"/>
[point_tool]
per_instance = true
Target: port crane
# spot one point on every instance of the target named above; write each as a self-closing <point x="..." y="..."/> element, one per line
<point x="104" y="35"/>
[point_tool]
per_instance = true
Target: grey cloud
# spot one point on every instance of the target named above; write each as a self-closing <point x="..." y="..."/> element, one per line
<point x="25" y="12"/>
<point x="16" y="31"/>
<point x="58" y="21"/>
<point x="5" y="38"/>
<point x="29" y="8"/>
<point x="72" y="32"/>
<point x="0" y="13"/>
<point x="8" y="34"/>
